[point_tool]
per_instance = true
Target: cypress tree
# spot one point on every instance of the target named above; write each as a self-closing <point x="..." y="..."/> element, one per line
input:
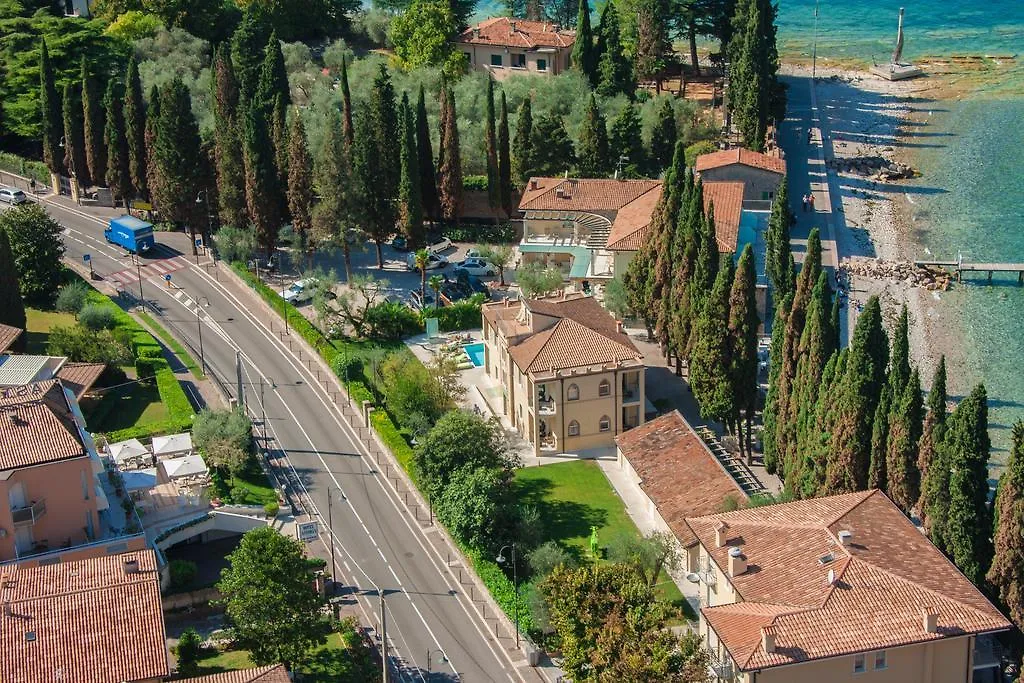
<point x="247" y="45"/>
<point x="592" y="154"/>
<point x="684" y="259"/>
<point x="772" y="403"/>
<point x="662" y="229"/>
<point x="49" y="105"/>
<point x="449" y="165"/>
<point x="931" y="437"/>
<point x="12" y="306"/>
<point x="663" y="137"/>
<point x="409" y="188"/>
<point x="743" y="324"/>
<point x="300" y="183"/>
<point x="583" y="55"/>
<point x="149" y="138"/>
<point x="937" y="395"/>
<point x="637" y="284"/>
<point x="614" y="72"/>
<point x="338" y="207"/>
<point x="904" y="484"/>
<point x="777" y="247"/>
<point x="710" y="364"/>
<point x="74" y="135"/>
<point x="376" y="204"/>
<point x="177" y="156"/>
<point x="135" y="128"/>
<point x="899" y="365"/>
<point x="626" y="141"/>
<point x="93" y="119"/>
<point x="705" y="267"/>
<point x="1006" y="575"/>
<point x="755" y="96"/>
<point x="279" y="135"/>
<point x="491" y="151"/>
<point x="968" y="527"/>
<point x="273" y="77"/>
<point x="522" y="159"/>
<point x="504" y="160"/>
<point x="118" y="175"/>
<point x="553" y="152"/>
<point x="878" y="477"/>
<point x="261" y="181"/>
<point x="228" y="150"/>
<point x="384" y="114"/>
<point x="856" y="403"/>
<point x="427" y="176"/>
<point x="348" y="131"/>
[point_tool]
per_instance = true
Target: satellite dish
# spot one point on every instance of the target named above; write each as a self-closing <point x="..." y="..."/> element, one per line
<point x="693" y="577"/>
<point x="831" y="576"/>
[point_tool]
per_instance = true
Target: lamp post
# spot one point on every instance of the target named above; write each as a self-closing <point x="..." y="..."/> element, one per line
<point x="444" y="659"/>
<point x="138" y="271"/>
<point x="814" y="50"/>
<point x="203" y="198"/>
<point x="199" y="324"/>
<point x="330" y="534"/>
<point x="500" y="559"/>
<point x="263" y="404"/>
<point x="70" y="154"/>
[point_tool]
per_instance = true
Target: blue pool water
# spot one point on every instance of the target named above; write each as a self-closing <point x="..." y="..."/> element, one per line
<point x="475" y="353"/>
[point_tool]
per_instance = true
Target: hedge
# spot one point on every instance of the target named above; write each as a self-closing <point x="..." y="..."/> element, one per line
<point x="502" y="589"/>
<point x="25" y="167"/>
<point x="463" y="315"/>
<point x="503" y="233"/>
<point x="393" y="439"/>
<point x="474" y="182"/>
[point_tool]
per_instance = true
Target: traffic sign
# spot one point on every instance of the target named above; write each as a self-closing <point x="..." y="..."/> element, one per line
<point x="199" y="241"/>
<point x="308" y="531"/>
<point x="86" y="257"/>
<point x="167" y="277"/>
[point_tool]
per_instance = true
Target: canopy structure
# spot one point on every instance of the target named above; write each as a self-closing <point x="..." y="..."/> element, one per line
<point x="140" y="480"/>
<point x="172" y="446"/>
<point x="189" y="466"/>
<point x="123" y="451"/>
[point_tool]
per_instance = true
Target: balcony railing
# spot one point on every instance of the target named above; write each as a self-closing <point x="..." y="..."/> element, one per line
<point x="546" y="407"/>
<point x="631" y="393"/>
<point x="30" y="514"/>
<point x="720" y="668"/>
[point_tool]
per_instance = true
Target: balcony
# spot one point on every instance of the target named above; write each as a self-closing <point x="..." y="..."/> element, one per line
<point x="546" y="406"/>
<point x="630" y="393"/>
<point x="720" y="668"/>
<point x="30" y="514"/>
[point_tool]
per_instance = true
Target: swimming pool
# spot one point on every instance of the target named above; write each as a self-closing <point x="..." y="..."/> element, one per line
<point x="475" y="353"/>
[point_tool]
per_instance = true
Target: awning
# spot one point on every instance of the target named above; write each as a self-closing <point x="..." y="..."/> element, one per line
<point x="175" y="444"/>
<point x="124" y="450"/>
<point x="581" y="256"/>
<point x="189" y="466"/>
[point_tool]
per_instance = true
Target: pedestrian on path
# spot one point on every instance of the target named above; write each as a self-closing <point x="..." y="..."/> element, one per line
<point x="803" y="201"/>
<point x="810" y="135"/>
<point x="810" y="199"/>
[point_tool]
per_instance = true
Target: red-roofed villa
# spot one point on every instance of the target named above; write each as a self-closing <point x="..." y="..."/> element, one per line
<point x="505" y="46"/>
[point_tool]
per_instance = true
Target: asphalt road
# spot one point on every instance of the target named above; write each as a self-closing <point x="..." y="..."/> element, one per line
<point x="378" y="543"/>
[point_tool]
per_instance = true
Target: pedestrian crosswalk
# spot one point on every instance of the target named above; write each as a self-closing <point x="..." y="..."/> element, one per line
<point x="153" y="269"/>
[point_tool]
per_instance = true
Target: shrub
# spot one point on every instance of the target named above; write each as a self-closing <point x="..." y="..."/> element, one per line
<point x="183" y="573"/>
<point x="503" y="233"/>
<point x="546" y="557"/>
<point x="85" y="346"/>
<point x="698" y="148"/>
<point x="271" y="510"/>
<point x="463" y="315"/>
<point x="72" y="297"/>
<point x="231" y="425"/>
<point x="502" y="589"/>
<point x="96" y="317"/>
<point x="347" y="366"/>
<point x="391" y="320"/>
<point x="474" y="182"/>
<point x="239" y="494"/>
<point x="146" y="369"/>
<point x="190" y="646"/>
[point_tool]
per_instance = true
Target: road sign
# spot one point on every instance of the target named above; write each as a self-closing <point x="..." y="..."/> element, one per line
<point x="308" y="531"/>
<point x="199" y="241"/>
<point x="167" y="277"/>
<point x="86" y="257"/>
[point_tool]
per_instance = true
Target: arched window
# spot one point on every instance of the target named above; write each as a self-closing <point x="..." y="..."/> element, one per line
<point x="572" y="393"/>
<point x="604" y="388"/>
<point x="574" y="428"/>
<point x="605" y="424"/>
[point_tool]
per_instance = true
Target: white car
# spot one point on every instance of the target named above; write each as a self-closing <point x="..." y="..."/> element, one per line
<point x="433" y="263"/>
<point x="476" y="266"/>
<point x="13" y="196"/>
<point x="299" y="292"/>
<point x="442" y="244"/>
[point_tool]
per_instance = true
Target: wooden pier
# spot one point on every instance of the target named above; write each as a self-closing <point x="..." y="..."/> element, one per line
<point x="960" y="267"/>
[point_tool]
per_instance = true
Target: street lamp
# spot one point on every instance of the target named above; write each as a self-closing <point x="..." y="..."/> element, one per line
<point x="500" y="559"/>
<point x="263" y="405"/>
<point x="814" y="51"/>
<point x="70" y="154"/>
<point x="199" y="324"/>
<point x="444" y="659"/>
<point x="203" y="198"/>
<point x="138" y="270"/>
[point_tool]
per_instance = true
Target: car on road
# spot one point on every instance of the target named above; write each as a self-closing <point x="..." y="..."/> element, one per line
<point x="399" y="243"/>
<point x="475" y="266"/>
<point x="418" y="303"/>
<point x="433" y="263"/>
<point x="439" y="244"/>
<point x="12" y="196"/>
<point x="299" y="292"/>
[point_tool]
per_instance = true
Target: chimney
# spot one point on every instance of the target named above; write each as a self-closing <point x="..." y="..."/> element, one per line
<point x="845" y="537"/>
<point x="768" y="639"/>
<point x="7" y="608"/>
<point x="131" y="566"/>
<point x="737" y="562"/>
<point x="512" y="25"/>
<point x="618" y="326"/>
<point x="720" y="529"/>
<point x="533" y="183"/>
<point x="930" y="619"/>
<point x="476" y="31"/>
<point x="560" y="193"/>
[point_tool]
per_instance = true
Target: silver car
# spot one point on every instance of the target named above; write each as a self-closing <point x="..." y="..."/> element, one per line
<point x="12" y="195"/>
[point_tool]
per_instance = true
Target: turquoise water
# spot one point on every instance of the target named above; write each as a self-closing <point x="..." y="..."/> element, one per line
<point x="475" y="353"/>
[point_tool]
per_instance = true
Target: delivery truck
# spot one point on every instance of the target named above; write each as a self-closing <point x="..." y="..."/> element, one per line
<point x="131" y="233"/>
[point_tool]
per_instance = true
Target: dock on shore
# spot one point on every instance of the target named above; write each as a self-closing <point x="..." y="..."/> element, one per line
<point x="959" y="267"/>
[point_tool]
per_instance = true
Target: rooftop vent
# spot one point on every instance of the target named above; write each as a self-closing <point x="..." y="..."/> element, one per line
<point x="30" y="636"/>
<point x="737" y="562"/>
<point x="720" y="530"/>
<point x="768" y="634"/>
<point x="826" y="558"/>
<point x="560" y="193"/>
<point x="476" y="32"/>
<point x="831" y="578"/>
<point x="845" y="537"/>
<point x="930" y="619"/>
<point x="131" y="566"/>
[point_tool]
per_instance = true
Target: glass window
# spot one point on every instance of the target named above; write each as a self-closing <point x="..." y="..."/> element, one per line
<point x="573" y="393"/>
<point x="574" y="428"/>
<point x="542" y="65"/>
<point x="469" y="57"/>
<point x="519" y="61"/>
<point x="495" y="60"/>
<point x="859" y="664"/>
<point x="604" y="388"/>
<point x="880" y="660"/>
<point x="605" y="423"/>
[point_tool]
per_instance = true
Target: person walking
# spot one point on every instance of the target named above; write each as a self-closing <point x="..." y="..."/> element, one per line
<point x="810" y="200"/>
<point x="803" y="201"/>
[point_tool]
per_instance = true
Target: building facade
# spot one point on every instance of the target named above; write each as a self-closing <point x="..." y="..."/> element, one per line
<point x="571" y="379"/>
<point x="759" y="173"/>
<point x="504" y="46"/>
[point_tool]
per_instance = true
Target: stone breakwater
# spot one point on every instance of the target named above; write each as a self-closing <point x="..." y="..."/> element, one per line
<point x="924" y="277"/>
<point x="873" y="167"/>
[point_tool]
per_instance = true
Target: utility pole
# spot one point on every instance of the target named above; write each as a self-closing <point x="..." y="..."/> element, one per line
<point x="814" y="51"/>
<point x="384" y="635"/>
<point x="330" y="534"/>
<point x="238" y="373"/>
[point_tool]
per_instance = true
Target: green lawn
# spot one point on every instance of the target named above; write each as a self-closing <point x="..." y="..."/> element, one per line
<point x="572" y="497"/>
<point x="172" y="343"/>
<point x="39" y="323"/>
<point x="252" y="482"/>
<point x="132" y="405"/>
<point x="337" y="661"/>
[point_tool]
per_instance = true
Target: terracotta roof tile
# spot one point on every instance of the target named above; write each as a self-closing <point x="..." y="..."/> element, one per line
<point x="275" y="673"/>
<point x="85" y="621"/>
<point x="527" y="34"/>
<point x="884" y="577"/>
<point x="37" y="426"/>
<point x="79" y="377"/>
<point x="583" y="194"/>
<point x="677" y="472"/>
<point x="739" y="155"/>
<point x="8" y="335"/>
<point x="727" y="197"/>
<point x="630" y="225"/>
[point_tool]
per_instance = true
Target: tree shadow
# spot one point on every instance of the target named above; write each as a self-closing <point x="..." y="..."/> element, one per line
<point x="563" y="519"/>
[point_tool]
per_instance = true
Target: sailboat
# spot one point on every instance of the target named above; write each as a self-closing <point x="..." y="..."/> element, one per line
<point x="897" y="69"/>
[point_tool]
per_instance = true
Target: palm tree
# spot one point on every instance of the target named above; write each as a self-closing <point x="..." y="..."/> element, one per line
<point x="435" y="284"/>
<point x="422" y="259"/>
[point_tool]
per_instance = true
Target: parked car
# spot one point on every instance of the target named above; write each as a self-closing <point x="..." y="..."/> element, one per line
<point x="419" y="304"/>
<point x="452" y="293"/>
<point x="299" y="292"/>
<point x="472" y="284"/>
<point x="439" y="244"/>
<point x="433" y="263"/>
<point x="476" y="266"/>
<point x="398" y="243"/>
<point x="14" y="196"/>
